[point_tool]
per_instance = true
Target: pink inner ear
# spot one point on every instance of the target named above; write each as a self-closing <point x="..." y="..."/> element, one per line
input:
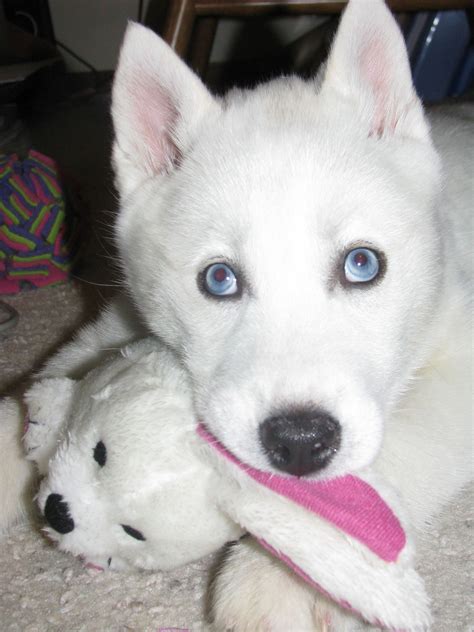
<point x="152" y="120"/>
<point x="376" y="71"/>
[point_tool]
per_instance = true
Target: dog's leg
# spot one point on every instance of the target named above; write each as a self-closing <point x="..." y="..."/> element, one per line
<point x="117" y="325"/>
<point x="254" y="592"/>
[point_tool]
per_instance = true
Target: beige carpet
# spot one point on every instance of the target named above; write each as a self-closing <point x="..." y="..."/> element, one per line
<point x="42" y="589"/>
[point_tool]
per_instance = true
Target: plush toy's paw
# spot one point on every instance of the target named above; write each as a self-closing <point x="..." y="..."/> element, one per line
<point x="16" y="474"/>
<point x="48" y="404"/>
<point x="254" y="592"/>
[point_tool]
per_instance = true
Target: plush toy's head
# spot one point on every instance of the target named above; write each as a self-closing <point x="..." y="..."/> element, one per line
<point x="124" y="484"/>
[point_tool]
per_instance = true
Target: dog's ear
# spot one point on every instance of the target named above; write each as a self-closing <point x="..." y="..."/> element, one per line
<point x="157" y="104"/>
<point x="368" y="66"/>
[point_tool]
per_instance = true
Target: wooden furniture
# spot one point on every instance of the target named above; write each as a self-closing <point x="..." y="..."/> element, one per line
<point x="190" y="25"/>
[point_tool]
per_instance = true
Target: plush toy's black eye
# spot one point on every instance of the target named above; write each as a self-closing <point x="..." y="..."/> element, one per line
<point x="134" y="533"/>
<point x="100" y="454"/>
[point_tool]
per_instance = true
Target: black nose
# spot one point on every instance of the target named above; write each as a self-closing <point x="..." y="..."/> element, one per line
<point x="56" y="512"/>
<point x="300" y="442"/>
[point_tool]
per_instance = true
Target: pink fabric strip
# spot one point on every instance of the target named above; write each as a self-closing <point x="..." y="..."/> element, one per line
<point x="347" y="502"/>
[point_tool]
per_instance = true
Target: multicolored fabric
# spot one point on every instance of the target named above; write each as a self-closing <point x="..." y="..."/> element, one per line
<point x="38" y="234"/>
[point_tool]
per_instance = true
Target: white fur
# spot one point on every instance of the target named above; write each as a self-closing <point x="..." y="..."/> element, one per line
<point x="118" y="324"/>
<point x="255" y="593"/>
<point x="281" y="181"/>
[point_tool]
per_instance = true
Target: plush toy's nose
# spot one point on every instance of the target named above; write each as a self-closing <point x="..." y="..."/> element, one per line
<point x="56" y="512"/>
<point x="300" y="442"/>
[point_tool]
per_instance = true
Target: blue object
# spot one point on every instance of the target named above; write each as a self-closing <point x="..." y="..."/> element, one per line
<point x="439" y="57"/>
<point x="464" y="80"/>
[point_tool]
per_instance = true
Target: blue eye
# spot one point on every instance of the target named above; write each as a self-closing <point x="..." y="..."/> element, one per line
<point x="219" y="280"/>
<point x="361" y="265"/>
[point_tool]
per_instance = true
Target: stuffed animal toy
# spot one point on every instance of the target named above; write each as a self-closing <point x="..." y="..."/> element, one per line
<point x="131" y="480"/>
<point x="124" y="485"/>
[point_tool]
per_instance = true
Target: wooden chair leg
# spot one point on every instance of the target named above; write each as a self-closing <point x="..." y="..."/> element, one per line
<point x="179" y="24"/>
<point x="201" y="44"/>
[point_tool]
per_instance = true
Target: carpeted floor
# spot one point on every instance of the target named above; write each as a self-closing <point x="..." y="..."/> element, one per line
<point x="43" y="590"/>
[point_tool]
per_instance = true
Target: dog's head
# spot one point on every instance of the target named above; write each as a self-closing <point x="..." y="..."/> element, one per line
<point x="283" y="241"/>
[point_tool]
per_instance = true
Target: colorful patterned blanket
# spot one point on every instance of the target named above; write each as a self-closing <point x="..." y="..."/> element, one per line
<point x="38" y="228"/>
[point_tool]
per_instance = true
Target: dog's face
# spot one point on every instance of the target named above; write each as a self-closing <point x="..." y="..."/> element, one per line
<point x="283" y="241"/>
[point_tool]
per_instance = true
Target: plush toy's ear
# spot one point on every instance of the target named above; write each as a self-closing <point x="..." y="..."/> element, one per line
<point x="368" y="66"/>
<point x="157" y="104"/>
<point x="48" y="405"/>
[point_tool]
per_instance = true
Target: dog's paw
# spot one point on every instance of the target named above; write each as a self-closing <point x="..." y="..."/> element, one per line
<point x="254" y="592"/>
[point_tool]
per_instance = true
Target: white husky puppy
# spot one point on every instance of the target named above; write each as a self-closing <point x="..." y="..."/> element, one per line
<point x="301" y="249"/>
